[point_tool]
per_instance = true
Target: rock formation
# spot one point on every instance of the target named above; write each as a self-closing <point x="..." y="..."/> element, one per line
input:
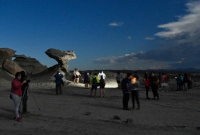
<point x="6" y="53"/>
<point x="31" y="65"/>
<point x="62" y="57"/>
<point x="11" y="67"/>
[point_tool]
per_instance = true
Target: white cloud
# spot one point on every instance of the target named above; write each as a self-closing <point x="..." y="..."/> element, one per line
<point x="129" y="37"/>
<point x="186" y="29"/>
<point x="149" y="38"/>
<point x="116" y="24"/>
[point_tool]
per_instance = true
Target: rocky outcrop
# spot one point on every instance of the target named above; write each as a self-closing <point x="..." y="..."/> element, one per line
<point x="62" y="57"/>
<point x="6" y="53"/>
<point x="11" y="67"/>
<point x="31" y="65"/>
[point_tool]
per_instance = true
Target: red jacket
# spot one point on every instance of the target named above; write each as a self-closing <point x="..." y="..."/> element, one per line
<point x="17" y="87"/>
<point x="147" y="82"/>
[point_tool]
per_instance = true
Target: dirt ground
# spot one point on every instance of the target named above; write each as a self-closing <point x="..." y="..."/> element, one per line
<point x="76" y="113"/>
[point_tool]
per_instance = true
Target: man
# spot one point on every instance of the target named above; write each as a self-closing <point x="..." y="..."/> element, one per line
<point x="154" y="85"/>
<point x="125" y="86"/>
<point x="94" y="81"/>
<point x="25" y="87"/>
<point x="134" y="88"/>
<point x="59" y="82"/>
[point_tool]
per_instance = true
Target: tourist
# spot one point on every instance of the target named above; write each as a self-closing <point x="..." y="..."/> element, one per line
<point x="25" y="87"/>
<point x="16" y="93"/>
<point x="147" y="84"/>
<point x="102" y="74"/>
<point x="102" y="87"/>
<point x="76" y="75"/>
<point x="86" y="80"/>
<point x="185" y="81"/>
<point x="58" y="76"/>
<point x="125" y="89"/>
<point x="189" y="81"/>
<point x="134" y="88"/>
<point x="94" y="81"/>
<point x="119" y="79"/>
<point x="179" y="81"/>
<point x="164" y="82"/>
<point x="154" y="85"/>
<point x="136" y="75"/>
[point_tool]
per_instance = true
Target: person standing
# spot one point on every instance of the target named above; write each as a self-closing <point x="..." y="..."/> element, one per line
<point x="164" y="82"/>
<point x="119" y="79"/>
<point x="86" y="80"/>
<point x="76" y="75"/>
<point x="179" y="81"/>
<point x="147" y="85"/>
<point x="185" y="81"/>
<point x="134" y="88"/>
<point x="154" y="85"/>
<point x="102" y="87"/>
<point x="25" y="87"/>
<point x="125" y="89"/>
<point x="94" y="81"/>
<point x="16" y="94"/>
<point x="58" y="76"/>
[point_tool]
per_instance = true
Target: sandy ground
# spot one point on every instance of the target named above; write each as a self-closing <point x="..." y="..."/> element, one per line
<point x="75" y="113"/>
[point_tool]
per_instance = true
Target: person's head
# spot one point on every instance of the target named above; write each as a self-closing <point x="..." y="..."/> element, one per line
<point x="95" y="73"/>
<point x="118" y="73"/>
<point x="18" y="75"/>
<point x="23" y="73"/>
<point x="129" y="75"/>
<point x="101" y="71"/>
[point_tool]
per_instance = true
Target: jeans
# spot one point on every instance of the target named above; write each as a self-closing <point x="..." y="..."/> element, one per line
<point x="135" y="96"/>
<point x="147" y="92"/>
<point x="17" y="100"/>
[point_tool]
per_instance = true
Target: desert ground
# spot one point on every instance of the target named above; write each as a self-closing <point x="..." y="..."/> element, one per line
<point x="76" y="113"/>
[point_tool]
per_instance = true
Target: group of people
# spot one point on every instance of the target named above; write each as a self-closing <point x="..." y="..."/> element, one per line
<point x="183" y="82"/>
<point x="95" y="81"/>
<point x="19" y="90"/>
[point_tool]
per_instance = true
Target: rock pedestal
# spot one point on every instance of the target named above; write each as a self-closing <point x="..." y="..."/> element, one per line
<point x="62" y="57"/>
<point x="11" y="67"/>
<point x="6" y="53"/>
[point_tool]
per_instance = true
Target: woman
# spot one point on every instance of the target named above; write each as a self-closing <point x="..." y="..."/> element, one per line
<point x="102" y="87"/>
<point x="76" y="76"/>
<point x="118" y="79"/>
<point x="16" y="94"/>
<point x="147" y="85"/>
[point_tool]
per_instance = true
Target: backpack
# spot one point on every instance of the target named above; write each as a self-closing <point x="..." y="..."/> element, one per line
<point x="94" y="81"/>
<point x="123" y="84"/>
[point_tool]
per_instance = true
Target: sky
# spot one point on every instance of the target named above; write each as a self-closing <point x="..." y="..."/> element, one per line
<point x="105" y="34"/>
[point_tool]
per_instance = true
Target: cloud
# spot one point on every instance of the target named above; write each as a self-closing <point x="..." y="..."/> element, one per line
<point x="129" y="37"/>
<point x="149" y="38"/>
<point x="116" y="24"/>
<point x="186" y="29"/>
<point x="181" y="49"/>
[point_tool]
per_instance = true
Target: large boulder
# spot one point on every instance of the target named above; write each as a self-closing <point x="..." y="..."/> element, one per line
<point x="31" y="65"/>
<point x="11" y="67"/>
<point x="6" y="53"/>
<point x="62" y="57"/>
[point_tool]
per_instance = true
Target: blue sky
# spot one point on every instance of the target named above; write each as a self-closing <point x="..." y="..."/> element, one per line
<point x="105" y="34"/>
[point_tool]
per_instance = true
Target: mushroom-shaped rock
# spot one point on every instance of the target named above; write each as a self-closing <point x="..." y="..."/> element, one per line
<point x="12" y="67"/>
<point x="31" y="65"/>
<point x="6" y="53"/>
<point x="62" y="57"/>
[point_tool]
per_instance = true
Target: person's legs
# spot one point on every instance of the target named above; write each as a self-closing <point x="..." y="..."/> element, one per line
<point x="147" y="92"/>
<point x="156" y="92"/>
<point x="126" y="99"/>
<point x="133" y="98"/>
<point x="137" y="98"/>
<point x="60" y="89"/>
<point x="77" y="80"/>
<point x="104" y="93"/>
<point x="17" y="101"/>
<point x="57" y="89"/>
<point x="92" y="88"/>
<point x="101" y="92"/>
